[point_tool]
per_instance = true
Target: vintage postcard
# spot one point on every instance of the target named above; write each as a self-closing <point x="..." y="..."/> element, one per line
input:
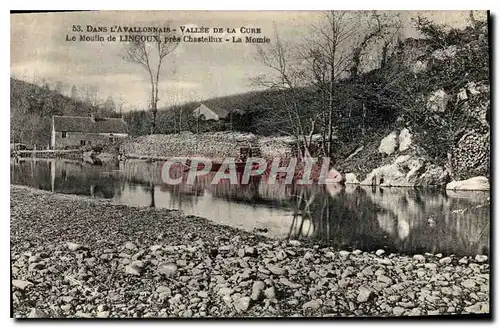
<point x="232" y="164"/>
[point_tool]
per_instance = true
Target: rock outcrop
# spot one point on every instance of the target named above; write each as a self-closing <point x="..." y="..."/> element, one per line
<point x="407" y="171"/>
<point x="405" y="139"/>
<point x="389" y="144"/>
<point x="438" y="101"/>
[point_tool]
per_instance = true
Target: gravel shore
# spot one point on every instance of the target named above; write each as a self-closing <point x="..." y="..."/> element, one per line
<point x="79" y="257"/>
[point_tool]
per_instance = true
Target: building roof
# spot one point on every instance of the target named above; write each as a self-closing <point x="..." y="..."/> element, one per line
<point x="220" y="112"/>
<point x="89" y="125"/>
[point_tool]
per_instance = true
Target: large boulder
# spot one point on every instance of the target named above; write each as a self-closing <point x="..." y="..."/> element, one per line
<point x="407" y="171"/>
<point x="434" y="176"/>
<point x="389" y="144"/>
<point x="476" y="183"/>
<point x="438" y="101"/>
<point x="405" y="139"/>
<point x="387" y="175"/>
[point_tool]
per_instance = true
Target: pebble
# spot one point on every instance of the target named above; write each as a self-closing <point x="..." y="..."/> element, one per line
<point x="288" y="283"/>
<point x="343" y="283"/>
<point x="168" y="270"/>
<point x="73" y="246"/>
<point x="407" y="305"/>
<point x="277" y="270"/>
<point x="368" y="271"/>
<point x="130" y="246"/>
<point x="469" y="283"/>
<point x="380" y="252"/>
<point x="481" y="258"/>
<point x="415" y="312"/>
<point x="67" y="299"/>
<point x="164" y="289"/>
<point x="66" y="307"/>
<point x="398" y="311"/>
<point x="102" y="314"/>
<point x="81" y="314"/>
<point x="481" y="307"/>
<point x="384" y="279"/>
<point x="270" y="292"/>
<point x="132" y="270"/>
<point x="21" y="284"/>
<point x="257" y="290"/>
<point x="155" y="248"/>
<point x="281" y="255"/>
<point x="37" y="313"/>
<point x="313" y="305"/>
<point x="330" y="255"/>
<point x="418" y="258"/>
<point x="344" y="254"/>
<point x="364" y="294"/>
<point x="242" y="304"/>
<point x="445" y="261"/>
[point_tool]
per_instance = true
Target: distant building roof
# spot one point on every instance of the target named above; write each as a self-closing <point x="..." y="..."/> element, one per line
<point x="220" y="112"/>
<point x="89" y="124"/>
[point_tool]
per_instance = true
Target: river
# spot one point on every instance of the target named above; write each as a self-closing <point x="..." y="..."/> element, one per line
<point x="401" y="220"/>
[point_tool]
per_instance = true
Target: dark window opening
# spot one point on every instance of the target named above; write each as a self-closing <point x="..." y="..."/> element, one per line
<point x="89" y="143"/>
<point x="63" y="134"/>
<point x="82" y="142"/>
<point x="111" y="139"/>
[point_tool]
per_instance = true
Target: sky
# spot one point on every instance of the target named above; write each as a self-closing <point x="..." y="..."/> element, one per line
<point x="192" y="72"/>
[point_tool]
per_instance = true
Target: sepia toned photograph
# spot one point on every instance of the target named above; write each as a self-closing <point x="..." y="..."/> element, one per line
<point x="250" y="164"/>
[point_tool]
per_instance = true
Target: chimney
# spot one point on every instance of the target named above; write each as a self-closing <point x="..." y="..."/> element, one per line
<point x="92" y="117"/>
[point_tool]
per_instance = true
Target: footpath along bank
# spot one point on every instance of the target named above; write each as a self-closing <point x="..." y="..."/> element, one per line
<point x="80" y="257"/>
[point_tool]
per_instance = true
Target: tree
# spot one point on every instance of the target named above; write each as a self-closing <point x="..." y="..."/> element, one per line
<point x="288" y="79"/>
<point x="109" y="104"/>
<point x="150" y="56"/>
<point x="90" y="95"/>
<point x="332" y="52"/>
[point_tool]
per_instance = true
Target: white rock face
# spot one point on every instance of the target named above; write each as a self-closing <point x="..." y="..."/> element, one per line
<point x="406" y="171"/>
<point x="476" y="183"/>
<point x="437" y="101"/>
<point x="389" y="144"/>
<point x="387" y="175"/>
<point x="473" y="88"/>
<point x="462" y="94"/>
<point x="351" y="178"/>
<point x="419" y="67"/>
<point x="443" y="54"/>
<point x="405" y="139"/>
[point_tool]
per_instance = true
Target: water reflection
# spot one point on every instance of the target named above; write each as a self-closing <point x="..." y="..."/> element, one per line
<point x="398" y="219"/>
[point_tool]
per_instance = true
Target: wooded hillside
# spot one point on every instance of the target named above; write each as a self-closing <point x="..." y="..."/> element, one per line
<point x="32" y="107"/>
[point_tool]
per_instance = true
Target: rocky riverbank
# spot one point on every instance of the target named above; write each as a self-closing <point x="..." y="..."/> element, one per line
<point x="80" y="257"/>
